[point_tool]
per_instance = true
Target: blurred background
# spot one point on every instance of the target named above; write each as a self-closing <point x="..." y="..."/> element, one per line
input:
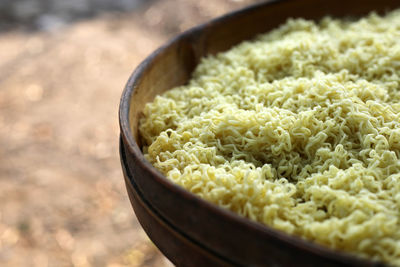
<point x="63" y="66"/>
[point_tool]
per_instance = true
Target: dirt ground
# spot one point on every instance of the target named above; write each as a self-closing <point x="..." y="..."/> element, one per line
<point x="62" y="195"/>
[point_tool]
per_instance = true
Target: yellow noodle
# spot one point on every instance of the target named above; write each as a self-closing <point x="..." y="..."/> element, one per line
<point x="298" y="129"/>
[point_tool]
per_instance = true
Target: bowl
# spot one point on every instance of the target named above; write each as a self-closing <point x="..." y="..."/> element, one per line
<point x="187" y="229"/>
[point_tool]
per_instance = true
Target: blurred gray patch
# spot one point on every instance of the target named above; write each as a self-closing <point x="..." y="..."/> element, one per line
<point x="52" y="14"/>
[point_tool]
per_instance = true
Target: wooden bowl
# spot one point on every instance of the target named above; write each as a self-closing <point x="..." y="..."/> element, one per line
<point x="187" y="229"/>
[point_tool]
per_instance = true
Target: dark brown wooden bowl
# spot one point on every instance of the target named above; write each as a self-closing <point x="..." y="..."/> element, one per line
<point x="187" y="229"/>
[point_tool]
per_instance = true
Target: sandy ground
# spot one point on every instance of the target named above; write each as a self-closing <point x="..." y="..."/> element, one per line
<point x="62" y="196"/>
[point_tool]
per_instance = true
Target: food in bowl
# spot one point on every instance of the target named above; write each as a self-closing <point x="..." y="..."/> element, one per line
<point x="298" y="129"/>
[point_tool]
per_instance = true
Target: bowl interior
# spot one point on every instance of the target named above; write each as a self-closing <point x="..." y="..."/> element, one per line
<point x="171" y="66"/>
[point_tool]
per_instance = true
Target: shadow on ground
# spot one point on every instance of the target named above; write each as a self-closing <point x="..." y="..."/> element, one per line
<point x="53" y="14"/>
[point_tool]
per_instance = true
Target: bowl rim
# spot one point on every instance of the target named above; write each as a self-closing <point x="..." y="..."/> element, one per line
<point x="133" y="148"/>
